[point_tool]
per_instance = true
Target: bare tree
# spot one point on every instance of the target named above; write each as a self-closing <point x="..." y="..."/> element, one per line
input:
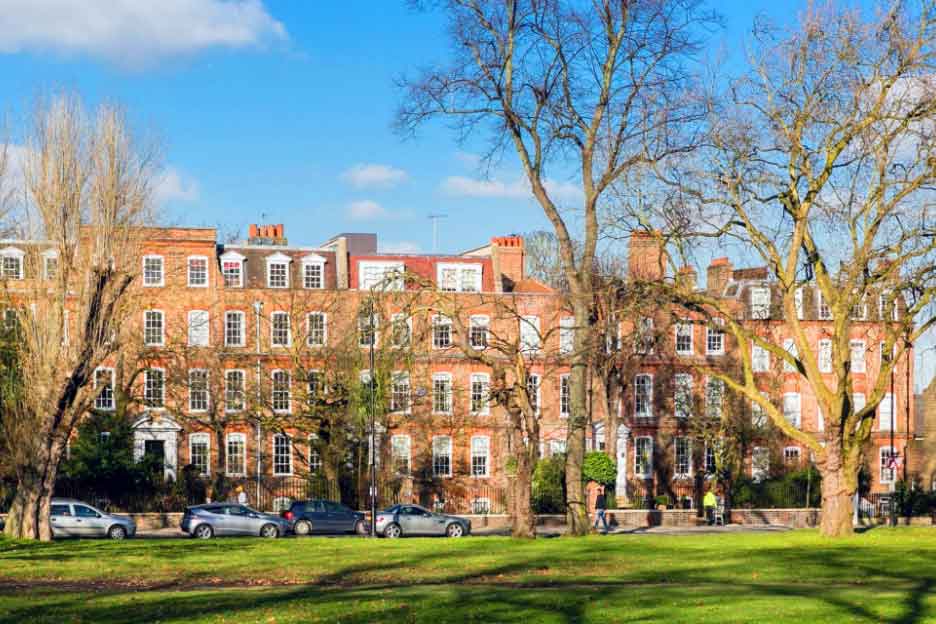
<point x="823" y="163"/>
<point x="88" y="187"/>
<point x="588" y="90"/>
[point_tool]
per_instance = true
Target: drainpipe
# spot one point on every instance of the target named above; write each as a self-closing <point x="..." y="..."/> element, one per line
<point x="258" y="309"/>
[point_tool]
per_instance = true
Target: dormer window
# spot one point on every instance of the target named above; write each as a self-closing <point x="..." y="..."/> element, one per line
<point x="49" y="264"/>
<point x="457" y="277"/>
<point x="385" y="276"/>
<point x="760" y="302"/>
<point x="12" y="263"/>
<point x="278" y="270"/>
<point x="232" y="268"/>
<point x="153" y="271"/>
<point x="313" y="272"/>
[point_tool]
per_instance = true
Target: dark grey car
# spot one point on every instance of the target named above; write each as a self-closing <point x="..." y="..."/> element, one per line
<point x="206" y="521"/>
<point x="73" y="518"/>
<point x="401" y="520"/>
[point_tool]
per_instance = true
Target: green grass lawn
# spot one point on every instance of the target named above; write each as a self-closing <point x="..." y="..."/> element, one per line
<point x="882" y="575"/>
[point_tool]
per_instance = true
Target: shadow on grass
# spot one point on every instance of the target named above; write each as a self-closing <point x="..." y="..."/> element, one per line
<point x="623" y="579"/>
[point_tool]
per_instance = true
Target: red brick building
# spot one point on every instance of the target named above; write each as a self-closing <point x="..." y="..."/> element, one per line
<point x="238" y="340"/>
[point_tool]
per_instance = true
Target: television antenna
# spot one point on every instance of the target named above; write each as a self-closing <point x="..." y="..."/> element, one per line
<point x="435" y="229"/>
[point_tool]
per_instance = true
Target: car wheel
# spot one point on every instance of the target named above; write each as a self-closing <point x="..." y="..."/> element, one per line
<point x="203" y="531"/>
<point x="117" y="532"/>
<point x="360" y="528"/>
<point x="393" y="531"/>
<point x="302" y="528"/>
<point x="269" y="530"/>
<point x="455" y="530"/>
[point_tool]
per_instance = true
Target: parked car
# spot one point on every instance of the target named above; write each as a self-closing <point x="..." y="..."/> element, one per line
<point x="322" y="516"/>
<point x="401" y="520"/>
<point x="206" y="521"/>
<point x="73" y="518"/>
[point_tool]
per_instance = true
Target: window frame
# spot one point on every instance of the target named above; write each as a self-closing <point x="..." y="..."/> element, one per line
<point x="188" y="271"/>
<point x="162" y="328"/>
<point x="789" y="399"/>
<point x="638" y="415"/>
<point x="649" y="457"/>
<point x="276" y="457"/>
<point x="442" y="377"/>
<point x="710" y="333"/>
<point x="683" y="325"/>
<point x="435" y="454"/>
<point x="243" y="399"/>
<point x="439" y="321"/>
<point x="687" y="473"/>
<point x="759" y="364"/>
<point x="758" y="472"/>
<point x="565" y="395"/>
<point x="200" y="437"/>
<point x="788" y="452"/>
<point x="395" y="457"/>
<point x="235" y="436"/>
<point x="460" y="268"/>
<point x="206" y="325"/>
<point x="278" y="259"/>
<point x="822" y="304"/>
<point x="206" y="390"/>
<point x="387" y="267"/>
<point x="862" y="350"/>
<point x="484" y="379"/>
<point x="682" y="390"/>
<point x="399" y="379"/>
<point x="113" y="383"/>
<point x="146" y="388"/>
<point x="823" y="363"/>
<point x="309" y="332"/>
<point x="243" y="328"/>
<point x="162" y="271"/>
<point x="274" y="391"/>
<point x="485" y="456"/>
<point x="313" y="261"/>
<point x="232" y="257"/>
<point x="530" y="323"/>
<point x="480" y="322"/>
<point x="566" y="335"/>
<point x="274" y="340"/>
<point x="891" y="453"/>
<point x="759" y="310"/>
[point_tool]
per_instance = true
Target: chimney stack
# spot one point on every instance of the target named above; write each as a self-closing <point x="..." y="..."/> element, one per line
<point x="719" y="271"/>
<point x="646" y="258"/>
<point x="266" y="234"/>
<point x="686" y="278"/>
<point x="507" y="260"/>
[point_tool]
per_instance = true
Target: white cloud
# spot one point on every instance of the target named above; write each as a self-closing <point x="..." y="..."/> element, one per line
<point x="370" y="175"/>
<point x="400" y="247"/>
<point x="132" y="33"/>
<point x="366" y="209"/>
<point x="519" y="188"/>
<point x="172" y="185"/>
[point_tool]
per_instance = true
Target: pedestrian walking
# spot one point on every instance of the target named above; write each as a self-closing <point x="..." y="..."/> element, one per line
<point x="601" y="506"/>
<point x="241" y="495"/>
<point x="710" y="502"/>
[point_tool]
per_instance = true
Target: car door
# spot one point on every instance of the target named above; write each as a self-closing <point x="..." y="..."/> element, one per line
<point x="317" y="516"/>
<point x="63" y="522"/>
<point x="88" y="521"/>
<point x="336" y="517"/>
<point x="409" y="519"/>
<point x="431" y="524"/>
<point x="241" y="522"/>
<point x="218" y="519"/>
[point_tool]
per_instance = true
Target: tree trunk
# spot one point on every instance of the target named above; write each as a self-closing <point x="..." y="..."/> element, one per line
<point x="576" y="514"/>
<point x="838" y="492"/>
<point x="29" y="514"/>
<point x="523" y="522"/>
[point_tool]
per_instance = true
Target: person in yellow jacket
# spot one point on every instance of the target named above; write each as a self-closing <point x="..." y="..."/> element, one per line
<point x="710" y="502"/>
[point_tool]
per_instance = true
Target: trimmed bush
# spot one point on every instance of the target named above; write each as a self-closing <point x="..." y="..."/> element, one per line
<point x="549" y="485"/>
<point x="600" y="468"/>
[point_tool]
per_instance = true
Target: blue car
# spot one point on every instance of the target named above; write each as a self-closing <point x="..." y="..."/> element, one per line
<point x="322" y="516"/>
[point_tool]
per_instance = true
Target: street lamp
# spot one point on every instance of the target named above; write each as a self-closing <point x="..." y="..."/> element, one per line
<point x="373" y="429"/>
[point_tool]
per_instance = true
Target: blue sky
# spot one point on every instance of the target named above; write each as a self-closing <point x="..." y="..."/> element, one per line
<point x="280" y="111"/>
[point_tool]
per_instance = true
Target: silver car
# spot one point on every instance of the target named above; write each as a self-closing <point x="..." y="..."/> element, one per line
<point x="206" y="521"/>
<point x="401" y="520"/>
<point x="73" y="518"/>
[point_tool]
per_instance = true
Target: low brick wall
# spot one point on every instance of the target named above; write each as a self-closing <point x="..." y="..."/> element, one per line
<point x="641" y="518"/>
<point x="794" y="518"/>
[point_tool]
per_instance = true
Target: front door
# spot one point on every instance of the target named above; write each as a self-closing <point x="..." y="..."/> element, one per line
<point x="155" y="452"/>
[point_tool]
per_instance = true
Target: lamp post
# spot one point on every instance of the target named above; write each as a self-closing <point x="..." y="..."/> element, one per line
<point x="372" y="426"/>
<point x="891" y="461"/>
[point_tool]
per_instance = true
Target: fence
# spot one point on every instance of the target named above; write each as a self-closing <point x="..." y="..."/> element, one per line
<point x="277" y="493"/>
<point x="768" y="494"/>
